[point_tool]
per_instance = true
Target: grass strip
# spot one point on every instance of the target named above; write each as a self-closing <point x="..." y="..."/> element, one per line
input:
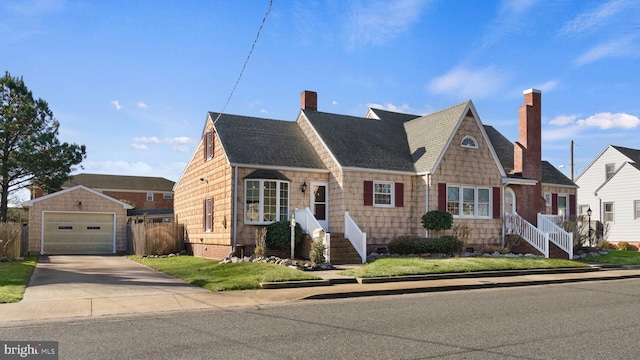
<point x="14" y="277"/>
<point x="618" y="257"/>
<point x="401" y="266"/>
<point x="209" y="274"/>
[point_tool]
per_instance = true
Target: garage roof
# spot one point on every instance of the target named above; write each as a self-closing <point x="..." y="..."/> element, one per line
<point x="77" y="187"/>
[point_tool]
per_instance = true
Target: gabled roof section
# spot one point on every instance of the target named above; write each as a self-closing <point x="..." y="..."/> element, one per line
<point x="503" y="148"/>
<point x="619" y="169"/>
<point x="429" y="135"/>
<point x="390" y="115"/>
<point x="74" y="188"/>
<point x="120" y="182"/>
<point x="365" y="143"/>
<point x="255" y="141"/>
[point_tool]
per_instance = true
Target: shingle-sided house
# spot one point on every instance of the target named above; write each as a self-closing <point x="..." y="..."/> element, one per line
<point x="368" y="179"/>
<point x="609" y="187"/>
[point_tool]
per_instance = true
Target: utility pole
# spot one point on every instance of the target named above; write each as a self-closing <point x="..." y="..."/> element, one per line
<point x="571" y="160"/>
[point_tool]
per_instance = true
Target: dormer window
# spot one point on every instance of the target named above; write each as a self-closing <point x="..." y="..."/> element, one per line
<point x="469" y="142"/>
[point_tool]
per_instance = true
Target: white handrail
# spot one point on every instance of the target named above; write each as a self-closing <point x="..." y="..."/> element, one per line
<point x="514" y="224"/>
<point x="310" y="224"/>
<point x="557" y="235"/>
<point x="357" y="237"/>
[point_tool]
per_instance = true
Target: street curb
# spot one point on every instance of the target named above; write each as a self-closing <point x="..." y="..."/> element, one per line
<point x="446" y="288"/>
<point x="477" y="274"/>
<point x="294" y="284"/>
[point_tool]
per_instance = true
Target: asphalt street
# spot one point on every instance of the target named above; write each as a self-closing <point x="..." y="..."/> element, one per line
<point x="584" y="320"/>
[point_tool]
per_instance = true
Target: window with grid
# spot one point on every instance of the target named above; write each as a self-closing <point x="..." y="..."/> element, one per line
<point x="266" y="201"/>
<point x="608" y="211"/>
<point x="383" y="194"/>
<point x="466" y="201"/>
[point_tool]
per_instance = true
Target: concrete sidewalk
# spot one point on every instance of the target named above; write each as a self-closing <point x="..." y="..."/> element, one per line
<point x="335" y="287"/>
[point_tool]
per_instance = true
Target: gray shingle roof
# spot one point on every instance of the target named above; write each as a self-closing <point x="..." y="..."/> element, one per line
<point x="551" y="175"/>
<point x="364" y="143"/>
<point x="120" y="182"/>
<point x="256" y="141"/>
<point x="632" y="154"/>
<point x="428" y="135"/>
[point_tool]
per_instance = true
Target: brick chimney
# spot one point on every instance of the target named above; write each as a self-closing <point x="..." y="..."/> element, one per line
<point x="309" y="100"/>
<point x="528" y="151"/>
<point x="527" y="155"/>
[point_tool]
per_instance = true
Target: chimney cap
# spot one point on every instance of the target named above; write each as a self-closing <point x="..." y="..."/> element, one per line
<point x="532" y="90"/>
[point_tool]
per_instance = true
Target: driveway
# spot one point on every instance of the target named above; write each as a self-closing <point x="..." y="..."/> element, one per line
<point x="63" y="277"/>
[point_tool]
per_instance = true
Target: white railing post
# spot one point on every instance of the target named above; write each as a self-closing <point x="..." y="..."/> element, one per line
<point x="356" y="237"/>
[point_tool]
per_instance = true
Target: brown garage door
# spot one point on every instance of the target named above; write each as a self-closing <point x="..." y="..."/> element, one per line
<point x="78" y="233"/>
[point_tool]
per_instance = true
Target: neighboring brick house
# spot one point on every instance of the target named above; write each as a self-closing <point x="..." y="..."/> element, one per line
<point x="380" y="172"/>
<point x="148" y="195"/>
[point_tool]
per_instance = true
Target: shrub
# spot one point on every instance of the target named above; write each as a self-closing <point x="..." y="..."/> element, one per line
<point x="279" y="235"/>
<point x="260" y="234"/>
<point x="437" y="220"/>
<point x="407" y="244"/>
<point x="490" y="249"/>
<point x="623" y="245"/>
<point x="448" y="244"/>
<point x="605" y="245"/>
<point x="316" y="254"/>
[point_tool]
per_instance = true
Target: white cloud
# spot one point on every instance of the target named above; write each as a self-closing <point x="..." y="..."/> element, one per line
<point x="119" y="168"/>
<point x="615" y="48"/>
<point x="116" y="104"/>
<point x="152" y="139"/>
<point x="264" y="111"/>
<point x="142" y="105"/>
<point x="334" y="102"/>
<point x="594" y="19"/>
<point x="404" y="108"/>
<point x="381" y="21"/>
<point x="547" y="86"/>
<point x="468" y="83"/>
<point x="178" y="140"/>
<point x="563" y="120"/>
<point x="608" y="120"/>
<point x="139" y="146"/>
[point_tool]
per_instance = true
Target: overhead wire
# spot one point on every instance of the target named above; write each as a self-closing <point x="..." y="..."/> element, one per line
<point x="244" y="66"/>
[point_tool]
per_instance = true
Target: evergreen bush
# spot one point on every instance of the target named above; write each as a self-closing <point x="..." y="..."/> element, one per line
<point x="279" y="235"/>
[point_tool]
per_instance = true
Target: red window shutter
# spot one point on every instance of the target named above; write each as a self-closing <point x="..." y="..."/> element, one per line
<point x="213" y="148"/>
<point x="496" y="203"/>
<point x="442" y="196"/>
<point x="204" y="146"/>
<point x="399" y="194"/>
<point x="572" y="205"/>
<point x="368" y="193"/>
<point x="554" y="204"/>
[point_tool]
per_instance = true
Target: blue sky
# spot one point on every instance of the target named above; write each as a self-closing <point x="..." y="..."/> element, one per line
<point x="133" y="80"/>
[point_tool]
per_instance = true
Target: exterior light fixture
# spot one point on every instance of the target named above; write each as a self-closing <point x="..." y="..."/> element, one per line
<point x="304" y="187"/>
<point x="79" y="204"/>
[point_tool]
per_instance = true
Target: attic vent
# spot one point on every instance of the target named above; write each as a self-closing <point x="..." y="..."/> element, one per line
<point x="469" y="142"/>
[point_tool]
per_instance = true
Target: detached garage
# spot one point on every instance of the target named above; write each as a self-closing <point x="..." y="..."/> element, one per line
<point x="77" y="220"/>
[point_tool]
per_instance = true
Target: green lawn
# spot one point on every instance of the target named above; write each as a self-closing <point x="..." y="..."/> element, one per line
<point x="14" y="277"/>
<point x="421" y="266"/>
<point x="212" y="276"/>
<point x="619" y="257"/>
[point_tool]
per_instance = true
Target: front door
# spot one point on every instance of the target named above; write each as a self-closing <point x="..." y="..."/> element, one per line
<point x="320" y="203"/>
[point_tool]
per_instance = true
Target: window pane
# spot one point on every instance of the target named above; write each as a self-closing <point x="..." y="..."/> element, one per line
<point x="483" y="202"/>
<point x="608" y="211"/>
<point x="269" y="203"/>
<point x="637" y="209"/>
<point x="483" y="209"/>
<point x="483" y="195"/>
<point x="320" y="211"/>
<point x="382" y="193"/>
<point x="453" y="200"/>
<point x="284" y="201"/>
<point x="468" y="201"/>
<point x="252" y="201"/>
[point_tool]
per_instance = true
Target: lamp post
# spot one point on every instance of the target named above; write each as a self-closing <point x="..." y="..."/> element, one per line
<point x="589" y="215"/>
<point x="293" y="234"/>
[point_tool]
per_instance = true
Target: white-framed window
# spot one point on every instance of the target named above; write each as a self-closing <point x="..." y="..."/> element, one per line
<point x="208" y="145"/>
<point x="548" y="199"/>
<point x="563" y="206"/>
<point x="467" y="201"/>
<point x="609" y="169"/>
<point x="167" y="196"/>
<point x="469" y="142"/>
<point x="383" y="194"/>
<point x="608" y="211"/>
<point x="266" y="201"/>
<point x="636" y="209"/>
<point x="208" y="215"/>
<point x="149" y="196"/>
<point x="582" y="211"/>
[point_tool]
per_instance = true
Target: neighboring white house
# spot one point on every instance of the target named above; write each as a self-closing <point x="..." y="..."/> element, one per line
<point x="610" y="186"/>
